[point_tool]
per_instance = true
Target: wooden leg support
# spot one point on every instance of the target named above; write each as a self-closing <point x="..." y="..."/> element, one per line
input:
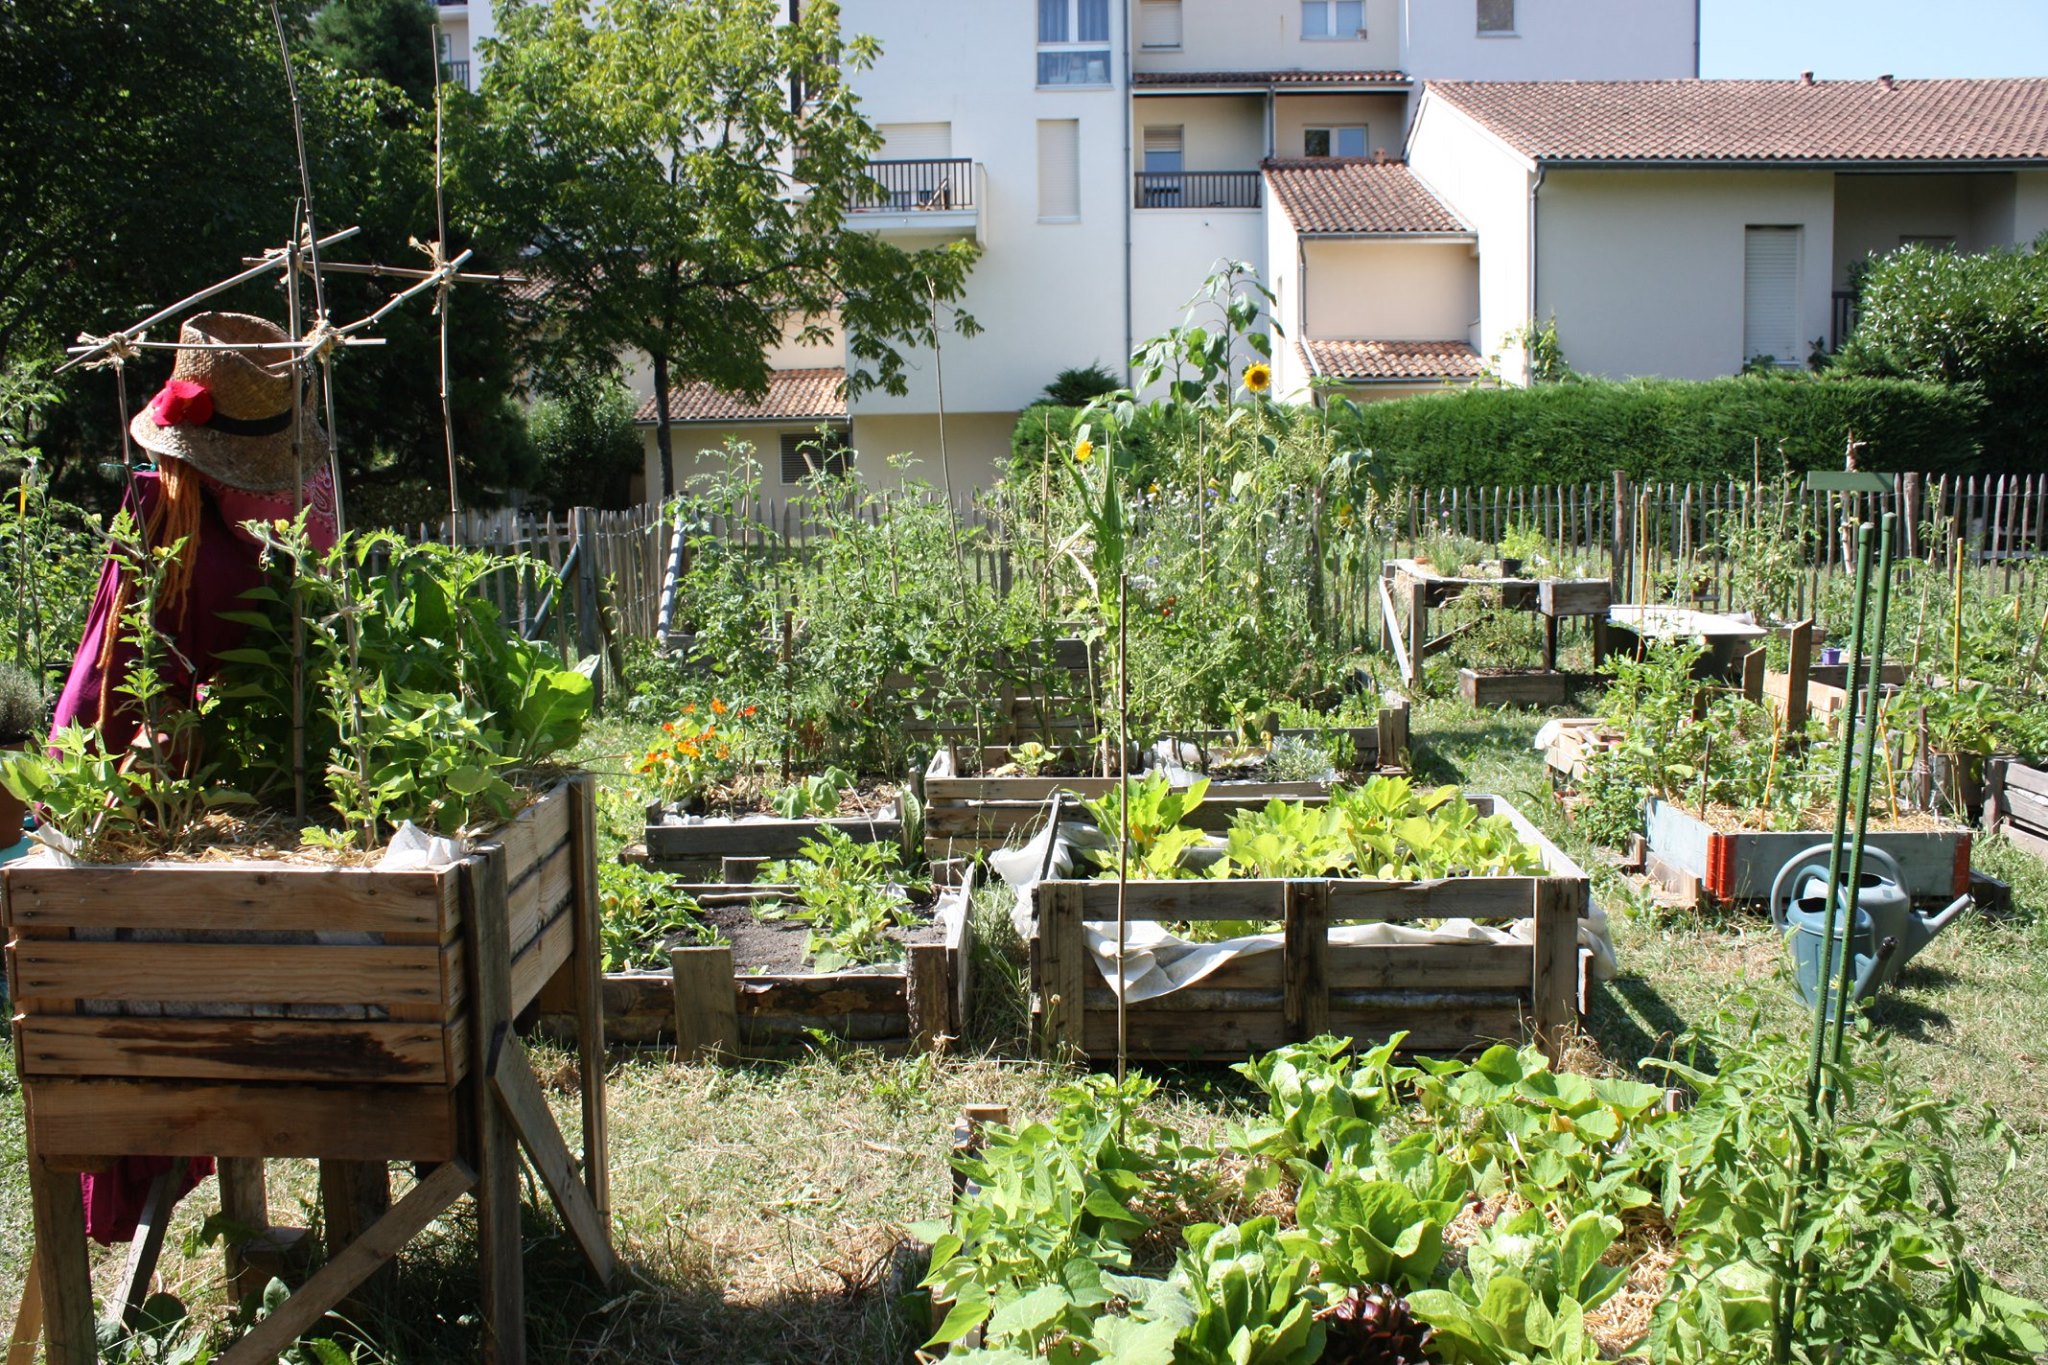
<point x="354" y="1195"/>
<point x="148" y="1243"/>
<point x="586" y="968"/>
<point x="707" y="1016"/>
<point x="502" y="1289"/>
<point x="356" y="1262"/>
<point x="519" y="1093"/>
<point x="68" y="1332"/>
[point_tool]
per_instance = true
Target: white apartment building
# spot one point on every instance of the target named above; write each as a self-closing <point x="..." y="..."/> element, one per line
<point x="1107" y="154"/>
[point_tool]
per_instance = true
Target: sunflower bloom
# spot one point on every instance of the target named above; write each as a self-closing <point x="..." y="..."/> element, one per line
<point x="1258" y="378"/>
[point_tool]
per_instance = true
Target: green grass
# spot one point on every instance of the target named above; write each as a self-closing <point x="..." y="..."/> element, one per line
<point x="756" y="1206"/>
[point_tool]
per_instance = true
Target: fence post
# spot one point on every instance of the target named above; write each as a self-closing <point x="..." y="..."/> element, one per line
<point x="1620" y="570"/>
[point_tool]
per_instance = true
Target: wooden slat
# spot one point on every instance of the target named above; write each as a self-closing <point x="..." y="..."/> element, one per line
<point x="707" y="1022"/>
<point x="538" y="962"/>
<point x="230" y="973"/>
<point x="276" y="897"/>
<point x="541" y="897"/>
<point x="350" y="1123"/>
<point x="1554" y="987"/>
<point x="535" y="833"/>
<point x="341" y="1050"/>
<point x="1432" y="966"/>
<point x="513" y="1082"/>
<point x="493" y="1143"/>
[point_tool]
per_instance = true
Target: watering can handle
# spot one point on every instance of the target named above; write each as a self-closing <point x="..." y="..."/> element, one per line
<point x="1815" y="860"/>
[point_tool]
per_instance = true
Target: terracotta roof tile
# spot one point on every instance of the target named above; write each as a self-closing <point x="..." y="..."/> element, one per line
<point x="1279" y="79"/>
<point x="1350" y="195"/>
<point x="1403" y="360"/>
<point x="798" y="395"/>
<point x="1750" y="121"/>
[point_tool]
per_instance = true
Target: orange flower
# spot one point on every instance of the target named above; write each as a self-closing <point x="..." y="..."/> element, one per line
<point x="747" y="714"/>
<point x="717" y="707"/>
<point x="690" y="710"/>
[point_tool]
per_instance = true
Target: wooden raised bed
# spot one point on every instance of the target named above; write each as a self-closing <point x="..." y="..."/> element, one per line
<point x="709" y="1006"/>
<point x="254" y="1009"/>
<point x="967" y="816"/>
<point x="1449" y="997"/>
<point x="1516" y="687"/>
<point x="697" y="849"/>
<point x="1686" y="850"/>
<point x="2016" y="803"/>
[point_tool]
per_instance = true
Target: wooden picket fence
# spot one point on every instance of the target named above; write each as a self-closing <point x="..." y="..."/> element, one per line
<point x="1655" y="540"/>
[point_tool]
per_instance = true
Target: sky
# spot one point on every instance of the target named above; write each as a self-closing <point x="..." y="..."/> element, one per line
<point x="1863" y="39"/>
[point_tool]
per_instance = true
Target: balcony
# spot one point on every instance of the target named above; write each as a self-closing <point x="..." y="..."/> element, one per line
<point x="1848" y="307"/>
<point x="933" y="197"/>
<point x="1197" y="189"/>
<point x="456" y="73"/>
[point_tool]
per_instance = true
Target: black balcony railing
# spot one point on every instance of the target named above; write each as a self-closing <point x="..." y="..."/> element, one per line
<point x="1848" y="306"/>
<point x="917" y="186"/>
<point x="1198" y="189"/>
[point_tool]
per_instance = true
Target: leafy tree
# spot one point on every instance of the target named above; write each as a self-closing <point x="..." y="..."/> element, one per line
<point x="587" y="445"/>
<point x="392" y="40"/>
<point x="680" y="200"/>
<point x="1976" y="319"/>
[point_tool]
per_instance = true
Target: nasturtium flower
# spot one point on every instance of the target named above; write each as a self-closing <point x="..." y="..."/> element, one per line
<point x="1258" y="378"/>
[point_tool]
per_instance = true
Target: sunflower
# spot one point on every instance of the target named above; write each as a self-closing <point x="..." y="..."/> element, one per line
<point x="1258" y="378"/>
<point x="1084" y="451"/>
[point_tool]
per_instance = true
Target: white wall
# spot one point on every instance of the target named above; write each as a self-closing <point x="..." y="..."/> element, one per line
<point x="1643" y="269"/>
<point x="699" y="449"/>
<point x="1049" y="295"/>
<point x="1392" y="291"/>
<point x="1176" y="249"/>
<point x="1284" y="278"/>
<point x="1555" y="40"/>
<point x="1488" y="185"/>
<point x="977" y="449"/>
<point x="2030" y="205"/>
<point x="1383" y="116"/>
<point x="1265" y="35"/>
<point x="1218" y="132"/>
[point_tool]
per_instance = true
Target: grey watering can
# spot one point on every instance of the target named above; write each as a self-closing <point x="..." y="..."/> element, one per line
<point x="1885" y="933"/>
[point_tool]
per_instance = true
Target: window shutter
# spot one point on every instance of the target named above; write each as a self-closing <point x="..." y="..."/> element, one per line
<point x="1059" y="168"/>
<point x="1496" y="16"/>
<point x="1159" y="23"/>
<point x="1770" y="294"/>
<point x="916" y="141"/>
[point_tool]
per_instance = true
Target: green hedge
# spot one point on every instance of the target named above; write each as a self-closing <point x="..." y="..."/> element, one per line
<point x="1650" y="428"/>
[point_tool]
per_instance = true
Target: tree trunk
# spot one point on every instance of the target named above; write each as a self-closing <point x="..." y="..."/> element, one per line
<point x="661" y="419"/>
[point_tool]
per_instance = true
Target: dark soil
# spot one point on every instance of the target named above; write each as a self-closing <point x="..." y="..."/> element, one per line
<point x="778" y="945"/>
<point x="868" y="799"/>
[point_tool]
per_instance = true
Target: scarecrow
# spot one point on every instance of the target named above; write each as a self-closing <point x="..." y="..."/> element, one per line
<point x="221" y="428"/>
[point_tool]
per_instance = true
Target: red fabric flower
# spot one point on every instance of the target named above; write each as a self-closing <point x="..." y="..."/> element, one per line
<point x="179" y="401"/>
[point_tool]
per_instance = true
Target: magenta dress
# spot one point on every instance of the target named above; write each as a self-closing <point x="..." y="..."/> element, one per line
<point x="226" y="565"/>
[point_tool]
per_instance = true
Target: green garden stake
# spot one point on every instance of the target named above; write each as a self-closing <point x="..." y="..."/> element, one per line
<point x="1869" y="763"/>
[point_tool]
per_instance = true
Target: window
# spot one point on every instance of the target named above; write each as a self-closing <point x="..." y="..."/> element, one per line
<point x="1497" y="16"/>
<point x="1059" y="170"/>
<point x="1333" y="18"/>
<point x="1163" y="151"/>
<point x="1159" y="25"/>
<point x="1339" y="140"/>
<point x="805" y="453"/>
<point x="1073" y="42"/>
<point x="1770" y="295"/>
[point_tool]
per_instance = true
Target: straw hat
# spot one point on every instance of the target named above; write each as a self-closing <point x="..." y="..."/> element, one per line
<point x="228" y="413"/>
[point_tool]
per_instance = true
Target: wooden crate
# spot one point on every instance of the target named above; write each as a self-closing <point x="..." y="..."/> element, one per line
<point x="2016" y="803"/>
<point x="1524" y="687"/>
<point x="1740" y="867"/>
<point x="697" y="849"/>
<point x="1449" y="997"/>
<point x="711" y="1009"/>
<point x="258" y="1008"/>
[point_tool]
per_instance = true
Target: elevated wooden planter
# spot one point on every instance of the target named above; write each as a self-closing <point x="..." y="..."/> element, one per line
<point x="708" y="1006"/>
<point x="2016" y="803"/>
<point x="260" y="1009"/>
<point x="1739" y="867"/>
<point x="697" y="849"/>
<point x="1449" y="997"/>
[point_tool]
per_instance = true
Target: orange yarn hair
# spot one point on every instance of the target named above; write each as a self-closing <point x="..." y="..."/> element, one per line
<point x="174" y="521"/>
